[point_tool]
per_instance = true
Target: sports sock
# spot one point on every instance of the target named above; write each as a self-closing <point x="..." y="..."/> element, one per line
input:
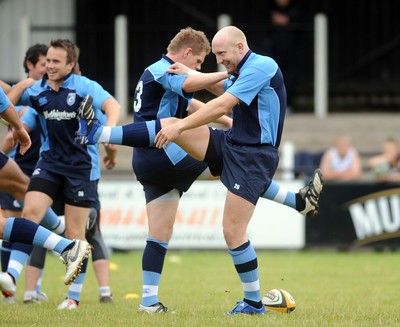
<point x="39" y="281"/>
<point x="152" y="265"/>
<point x="19" y="255"/>
<point x="246" y="264"/>
<point x="278" y="194"/>
<point x="30" y="294"/>
<point x="53" y="222"/>
<point x="300" y="203"/>
<point x="104" y="291"/>
<point x="25" y="231"/>
<point x="139" y="134"/>
<point x="75" y="289"/>
<point x="5" y="254"/>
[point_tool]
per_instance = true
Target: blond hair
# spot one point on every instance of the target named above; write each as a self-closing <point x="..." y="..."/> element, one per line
<point x="190" y="38"/>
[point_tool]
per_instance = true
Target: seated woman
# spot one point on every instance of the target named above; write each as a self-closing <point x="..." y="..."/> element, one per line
<point x="342" y="161"/>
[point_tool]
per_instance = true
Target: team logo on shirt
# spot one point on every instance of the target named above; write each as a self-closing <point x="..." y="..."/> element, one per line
<point x="42" y="101"/>
<point x="36" y="172"/>
<point x="16" y="204"/>
<point x="71" y="98"/>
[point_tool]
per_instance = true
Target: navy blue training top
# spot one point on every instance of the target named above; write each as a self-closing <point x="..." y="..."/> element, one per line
<point x="58" y="116"/>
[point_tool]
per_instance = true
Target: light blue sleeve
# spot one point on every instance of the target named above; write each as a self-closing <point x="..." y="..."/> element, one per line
<point x="102" y="117"/>
<point x="24" y="99"/>
<point x="255" y="75"/>
<point x="248" y="84"/>
<point x="174" y="83"/>
<point x="29" y="118"/>
<point x="86" y="86"/>
<point x="170" y="82"/>
<point x="4" y="101"/>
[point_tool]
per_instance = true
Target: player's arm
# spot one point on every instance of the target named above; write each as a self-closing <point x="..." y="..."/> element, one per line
<point x="217" y="89"/>
<point x="19" y="133"/>
<point x="223" y="120"/>
<point x="112" y="109"/>
<point x="16" y="91"/>
<point x="6" y="87"/>
<point x="10" y="115"/>
<point x="208" y="113"/>
<point x="110" y="159"/>
<point x="196" y="80"/>
<point x="8" y="141"/>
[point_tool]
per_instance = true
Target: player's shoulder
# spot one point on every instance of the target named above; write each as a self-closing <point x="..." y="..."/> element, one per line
<point x="75" y="80"/>
<point x="83" y="85"/>
<point x="158" y="68"/>
<point x="37" y="86"/>
<point x="257" y="60"/>
<point x="260" y="66"/>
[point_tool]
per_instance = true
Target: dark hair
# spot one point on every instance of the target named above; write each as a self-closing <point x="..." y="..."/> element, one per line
<point x="33" y="54"/>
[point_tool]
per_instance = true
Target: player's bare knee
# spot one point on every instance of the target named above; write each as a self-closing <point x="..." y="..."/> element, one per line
<point x="33" y="214"/>
<point x="168" y="121"/>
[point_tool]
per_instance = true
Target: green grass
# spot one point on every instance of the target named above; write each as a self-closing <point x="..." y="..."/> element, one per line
<point x="330" y="289"/>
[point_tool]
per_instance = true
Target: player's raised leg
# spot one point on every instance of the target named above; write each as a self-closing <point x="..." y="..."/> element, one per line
<point x="72" y="252"/>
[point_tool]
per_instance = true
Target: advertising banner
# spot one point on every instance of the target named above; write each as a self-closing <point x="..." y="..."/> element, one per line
<point x="199" y="220"/>
<point x="356" y="214"/>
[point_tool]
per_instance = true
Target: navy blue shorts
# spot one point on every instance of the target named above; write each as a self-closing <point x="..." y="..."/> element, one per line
<point x="245" y="170"/>
<point x="158" y="175"/>
<point x="3" y="159"/>
<point x="8" y="202"/>
<point x="76" y="192"/>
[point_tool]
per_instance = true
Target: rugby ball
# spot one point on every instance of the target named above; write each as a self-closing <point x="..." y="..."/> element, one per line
<point x="279" y="300"/>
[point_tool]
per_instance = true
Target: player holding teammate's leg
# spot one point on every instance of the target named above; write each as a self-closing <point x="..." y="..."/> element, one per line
<point x="246" y="157"/>
<point x="142" y="134"/>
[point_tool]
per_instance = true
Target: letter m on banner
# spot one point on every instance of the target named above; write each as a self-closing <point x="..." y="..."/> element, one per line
<point x="376" y="216"/>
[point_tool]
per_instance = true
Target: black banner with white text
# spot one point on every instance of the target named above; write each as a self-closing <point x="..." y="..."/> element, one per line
<point x="356" y="214"/>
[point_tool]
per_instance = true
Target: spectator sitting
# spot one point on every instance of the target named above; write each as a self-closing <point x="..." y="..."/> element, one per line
<point x="386" y="166"/>
<point x="342" y="161"/>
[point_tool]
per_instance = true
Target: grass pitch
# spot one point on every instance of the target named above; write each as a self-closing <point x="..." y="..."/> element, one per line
<point x="330" y="289"/>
